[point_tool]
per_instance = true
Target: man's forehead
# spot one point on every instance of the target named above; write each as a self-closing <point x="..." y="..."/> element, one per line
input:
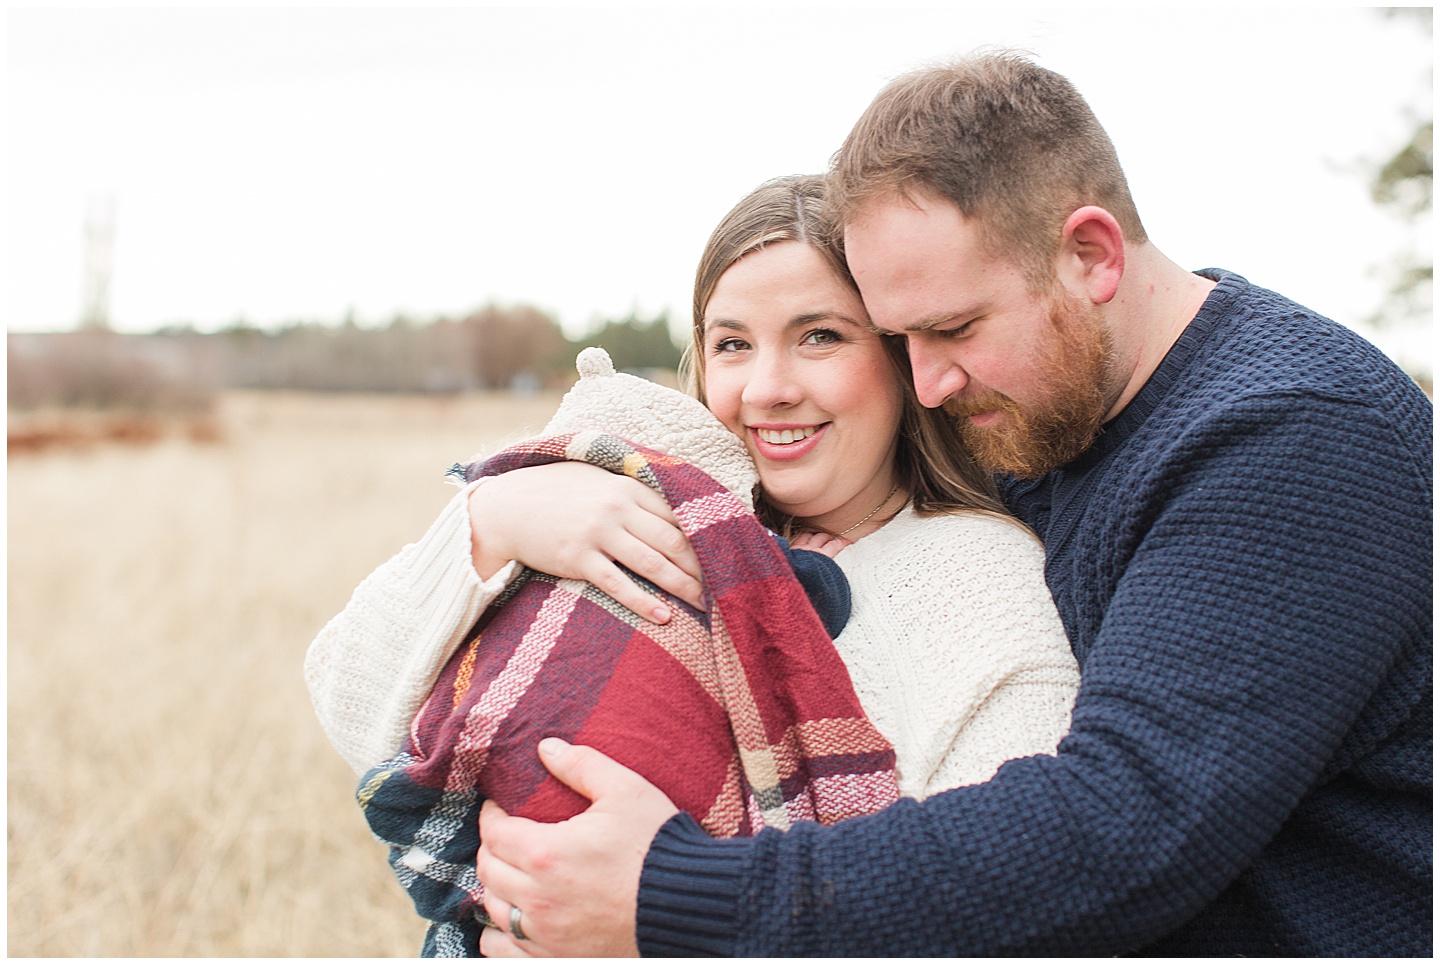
<point x="898" y="230"/>
<point x="915" y="277"/>
<point x="894" y="204"/>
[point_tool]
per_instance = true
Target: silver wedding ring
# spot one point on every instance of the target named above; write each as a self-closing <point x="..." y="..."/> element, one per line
<point x="515" y="928"/>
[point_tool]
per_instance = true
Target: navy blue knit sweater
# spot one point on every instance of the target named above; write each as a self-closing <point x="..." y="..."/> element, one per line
<point x="1243" y="563"/>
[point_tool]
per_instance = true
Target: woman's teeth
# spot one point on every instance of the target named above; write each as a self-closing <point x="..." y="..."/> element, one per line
<point x="785" y="436"/>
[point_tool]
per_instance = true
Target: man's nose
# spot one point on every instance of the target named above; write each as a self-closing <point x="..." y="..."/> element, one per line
<point x="937" y="375"/>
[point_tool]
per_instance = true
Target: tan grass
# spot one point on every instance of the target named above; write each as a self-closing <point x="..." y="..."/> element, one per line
<point x="170" y="792"/>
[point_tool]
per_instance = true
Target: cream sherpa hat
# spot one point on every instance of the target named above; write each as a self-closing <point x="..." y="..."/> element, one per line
<point x="651" y="415"/>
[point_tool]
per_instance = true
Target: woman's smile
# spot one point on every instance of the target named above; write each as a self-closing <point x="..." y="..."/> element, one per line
<point x="785" y="444"/>
<point x="794" y="369"/>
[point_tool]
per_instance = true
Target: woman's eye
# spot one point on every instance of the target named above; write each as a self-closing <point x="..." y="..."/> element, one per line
<point x="822" y="336"/>
<point x="729" y="345"/>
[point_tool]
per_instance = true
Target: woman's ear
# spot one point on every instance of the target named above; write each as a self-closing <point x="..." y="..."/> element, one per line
<point x="1091" y="259"/>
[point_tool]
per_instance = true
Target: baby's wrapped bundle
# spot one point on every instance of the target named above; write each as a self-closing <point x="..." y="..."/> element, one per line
<point x="743" y="713"/>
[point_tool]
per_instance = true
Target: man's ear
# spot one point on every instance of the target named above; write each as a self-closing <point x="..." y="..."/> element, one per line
<point x="1091" y="259"/>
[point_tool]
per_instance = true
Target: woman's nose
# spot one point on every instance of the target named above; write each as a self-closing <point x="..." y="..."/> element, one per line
<point x="771" y="385"/>
<point x="937" y="376"/>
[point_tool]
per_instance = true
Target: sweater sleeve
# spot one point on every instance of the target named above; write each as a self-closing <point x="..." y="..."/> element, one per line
<point x="372" y="666"/>
<point x="1279" y="578"/>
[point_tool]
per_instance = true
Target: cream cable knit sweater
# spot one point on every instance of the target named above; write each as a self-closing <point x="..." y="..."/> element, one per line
<point x="954" y="645"/>
<point x="372" y="666"/>
<point x="955" y="648"/>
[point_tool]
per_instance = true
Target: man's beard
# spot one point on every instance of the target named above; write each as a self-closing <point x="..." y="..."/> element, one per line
<point x="1031" y="440"/>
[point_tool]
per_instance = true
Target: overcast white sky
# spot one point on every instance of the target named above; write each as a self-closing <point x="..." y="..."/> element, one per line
<point x="295" y="164"/>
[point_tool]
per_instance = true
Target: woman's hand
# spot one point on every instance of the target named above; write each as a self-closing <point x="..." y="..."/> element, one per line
<point x="578" y="521"/>
<point x="822" y="543"/>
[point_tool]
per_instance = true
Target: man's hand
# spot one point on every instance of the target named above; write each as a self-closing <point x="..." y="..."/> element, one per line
<point x="574" y="520"/>
<point x="575" y="882"/>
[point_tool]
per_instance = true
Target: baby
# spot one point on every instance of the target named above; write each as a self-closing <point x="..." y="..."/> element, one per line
<point x="743" y="713"/>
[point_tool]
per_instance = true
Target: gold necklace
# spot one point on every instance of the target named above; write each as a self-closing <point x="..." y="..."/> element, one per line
<point x="871" y="514"/>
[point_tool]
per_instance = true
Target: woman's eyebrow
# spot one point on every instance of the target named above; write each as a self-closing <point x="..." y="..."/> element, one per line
<point x="803" y="319"/>
<point x="811" y="318"/>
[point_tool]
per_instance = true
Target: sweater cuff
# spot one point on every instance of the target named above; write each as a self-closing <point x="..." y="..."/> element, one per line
<point x="689" y="892"/>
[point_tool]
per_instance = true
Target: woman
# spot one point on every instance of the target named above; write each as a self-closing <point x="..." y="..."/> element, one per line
<point x="953" y="645"/>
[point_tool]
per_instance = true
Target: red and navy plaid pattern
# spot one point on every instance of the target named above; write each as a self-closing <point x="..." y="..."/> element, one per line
<point x="743" y="714"/>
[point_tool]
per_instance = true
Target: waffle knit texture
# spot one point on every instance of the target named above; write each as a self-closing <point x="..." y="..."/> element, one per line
<point x="1243" y="563"/>
<point x="743" y="714"/>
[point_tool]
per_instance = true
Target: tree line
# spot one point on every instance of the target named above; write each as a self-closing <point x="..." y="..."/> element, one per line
<point x="496" y="348"/>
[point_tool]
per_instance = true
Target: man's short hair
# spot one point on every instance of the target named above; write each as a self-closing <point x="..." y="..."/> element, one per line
<point x="1010" y="143"/>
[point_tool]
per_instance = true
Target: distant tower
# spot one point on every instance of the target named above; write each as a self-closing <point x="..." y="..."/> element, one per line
<point x="99" y="256"/>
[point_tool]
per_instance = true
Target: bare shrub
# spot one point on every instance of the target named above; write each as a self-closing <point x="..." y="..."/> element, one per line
<point x="511" y="342"/>
<point x="33" y="433"/>
<point x="101" y="370"/>
<point x="76" y="389"/>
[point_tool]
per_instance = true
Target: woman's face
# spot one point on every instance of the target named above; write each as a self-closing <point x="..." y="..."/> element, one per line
<point x="793" y="369"/>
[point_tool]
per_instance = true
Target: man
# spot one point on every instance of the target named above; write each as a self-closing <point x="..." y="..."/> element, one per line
<point x="1236" y="502"/>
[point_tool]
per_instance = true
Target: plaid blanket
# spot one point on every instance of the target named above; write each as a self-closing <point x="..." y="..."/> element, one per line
<point x="743" y="714"/>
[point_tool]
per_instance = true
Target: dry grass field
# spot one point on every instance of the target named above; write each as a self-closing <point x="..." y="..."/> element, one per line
<point x="170" y="792"/>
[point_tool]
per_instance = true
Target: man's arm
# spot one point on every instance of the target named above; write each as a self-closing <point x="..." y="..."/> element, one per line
<point x="1230" y="668"/>
<point x="575" y="881"/>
